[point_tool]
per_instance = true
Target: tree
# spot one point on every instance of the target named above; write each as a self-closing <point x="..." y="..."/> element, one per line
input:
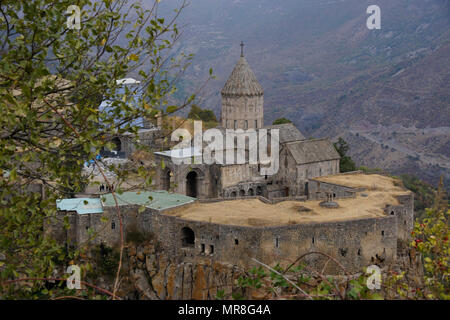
<point x="198" y="113"/>
<point x="52" y="77"/>
<point x="281" y="121"/>
<point x="346" y="163"/>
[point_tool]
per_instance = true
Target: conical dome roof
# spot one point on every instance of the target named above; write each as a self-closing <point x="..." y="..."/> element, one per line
<point x="242" y="81"/>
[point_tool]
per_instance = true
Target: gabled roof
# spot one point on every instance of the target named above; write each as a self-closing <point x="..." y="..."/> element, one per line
<point x="309" y="151"/>
<point x="242" y="81"/>
<point x="288" y="132"/>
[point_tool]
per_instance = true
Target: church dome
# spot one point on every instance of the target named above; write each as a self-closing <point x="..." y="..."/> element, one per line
<point x="242" y="81"/>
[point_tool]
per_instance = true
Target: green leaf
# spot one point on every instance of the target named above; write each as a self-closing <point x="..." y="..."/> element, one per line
<point x="171" y="109"/>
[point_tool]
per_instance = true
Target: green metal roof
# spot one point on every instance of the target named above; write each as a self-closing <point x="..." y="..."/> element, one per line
<point x="80" y="205"/>
<point x="158" y="200"/>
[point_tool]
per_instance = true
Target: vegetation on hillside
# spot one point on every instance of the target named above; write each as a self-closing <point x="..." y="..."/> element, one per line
<point x="207" y="116"/>
<point x="281" y="121"/>
<point x="346" y="164"/>
<point x="423" y="193"/>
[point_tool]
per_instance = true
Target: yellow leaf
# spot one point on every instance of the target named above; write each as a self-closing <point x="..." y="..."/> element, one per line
<point x="133" y="57"/>
<point x="103" y="42"/>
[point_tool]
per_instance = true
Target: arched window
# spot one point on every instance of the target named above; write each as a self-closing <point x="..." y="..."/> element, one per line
<point x="192" y="184"/>
<point x="187" y="237"/>
<point x="258" y="191"/>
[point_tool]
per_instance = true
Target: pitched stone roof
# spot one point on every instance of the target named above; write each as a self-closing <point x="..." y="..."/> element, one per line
<point x="309" y="151"/>
<point x="288" y="132"/>
<point x="242" y="81"/>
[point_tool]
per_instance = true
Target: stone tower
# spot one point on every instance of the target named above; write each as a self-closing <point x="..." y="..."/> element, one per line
<point x="242" y="98"/>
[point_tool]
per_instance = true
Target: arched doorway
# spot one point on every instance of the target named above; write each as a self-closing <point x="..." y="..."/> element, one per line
<point x="233" y="194"/>
<point x="191" y="184"/>
<point x="187" y="237"/>
<point x="117" y="144"/>
<point x="251" y="192"/>
<point x="258" y="191"/>
<point x="166" y="180"/>
<point x="241" y="193"/>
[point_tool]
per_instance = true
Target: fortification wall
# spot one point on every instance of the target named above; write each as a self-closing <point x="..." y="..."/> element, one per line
<point x="355" y="243"/>
<point x="404" y="214"/>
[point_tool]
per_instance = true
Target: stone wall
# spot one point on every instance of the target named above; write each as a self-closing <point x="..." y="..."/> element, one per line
<point x="318" y="189"/>
<point x="355" y="243"/>
<point x="208" y="177"/>
<point x="146" y="137"/>
<point x="405" y="216"/>
<point x="295" y="176"/>
<point x="247" y="112"/>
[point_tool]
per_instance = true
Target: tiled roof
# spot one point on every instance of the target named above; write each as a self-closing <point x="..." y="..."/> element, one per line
<point x="309" y="151"/>
<point x="288" y="132"/>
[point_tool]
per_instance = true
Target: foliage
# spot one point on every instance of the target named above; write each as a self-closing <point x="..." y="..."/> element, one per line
<point x="137" y="237"/>
<point x="52" y="79"/>
<point x="204" y="115"/>
<point x="346" y="163"/>
<point x="281" y="121"/>
<point x="301" y="282"/>
<point x="431" y="241"/>
<point x="423" y="193"/>
<point x="106" y="259"/>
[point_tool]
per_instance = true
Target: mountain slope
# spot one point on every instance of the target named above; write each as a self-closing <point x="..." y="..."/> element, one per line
<point x="320" y="66"/>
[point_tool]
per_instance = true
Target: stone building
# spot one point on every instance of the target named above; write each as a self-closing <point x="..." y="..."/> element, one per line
<point x="242" y="98"/>
<point x="242" y="108"/>
<point x="373" y="218"/>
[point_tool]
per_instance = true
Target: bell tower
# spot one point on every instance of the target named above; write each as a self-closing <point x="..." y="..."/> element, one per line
<point x="242" y="98"/>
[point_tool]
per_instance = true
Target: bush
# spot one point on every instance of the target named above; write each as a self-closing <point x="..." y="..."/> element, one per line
<point x="281" y="121"/>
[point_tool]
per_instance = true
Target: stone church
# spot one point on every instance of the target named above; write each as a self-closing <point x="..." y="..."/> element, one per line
<point x="300" y="159"/>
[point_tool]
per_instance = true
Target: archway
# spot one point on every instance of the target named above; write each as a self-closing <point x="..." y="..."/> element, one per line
<point x="251" y="192"/>
<point x="233" y="194"/>
<point x="187" y="237"/>
<point x="191" y="184"/>
<point x="258" y="191"/>
<point x="117" y="144"/>
<point x="166" y="180"/>
<point x="241" y="193"/>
